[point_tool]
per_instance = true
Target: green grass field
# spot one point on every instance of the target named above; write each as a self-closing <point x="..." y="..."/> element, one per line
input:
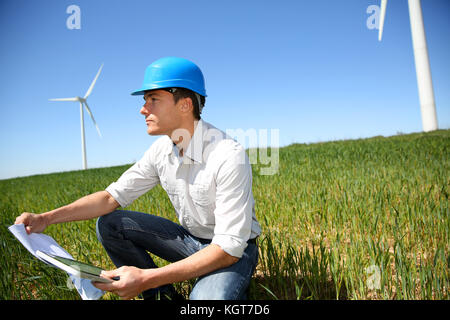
<point x="355" y="219"/>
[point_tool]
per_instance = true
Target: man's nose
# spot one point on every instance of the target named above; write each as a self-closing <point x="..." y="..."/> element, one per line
<point x="144" y="111"/>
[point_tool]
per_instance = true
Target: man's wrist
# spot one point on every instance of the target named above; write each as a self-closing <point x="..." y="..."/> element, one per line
<point x="47" y="218"/>
<point x="151" y="278"/>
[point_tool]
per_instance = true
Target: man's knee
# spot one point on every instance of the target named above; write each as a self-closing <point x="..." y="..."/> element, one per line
<point x="218" y="294"/>
<point x="198" y="294"/>
<point x="107" y="224"/>
<point x="220" y="286"/>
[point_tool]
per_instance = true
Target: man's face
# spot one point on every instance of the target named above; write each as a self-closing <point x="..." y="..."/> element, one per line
<point x="161" y="113"/>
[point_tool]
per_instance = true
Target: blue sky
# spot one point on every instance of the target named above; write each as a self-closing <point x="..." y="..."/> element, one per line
<point x="311" y="69"/>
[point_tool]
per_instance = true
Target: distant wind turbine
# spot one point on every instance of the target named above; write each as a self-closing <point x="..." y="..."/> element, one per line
<point x="83" y="101"/>
<point x="423" y="73"/>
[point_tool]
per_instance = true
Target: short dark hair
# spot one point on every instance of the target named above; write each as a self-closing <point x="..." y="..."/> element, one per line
<point x="181" y="93"/>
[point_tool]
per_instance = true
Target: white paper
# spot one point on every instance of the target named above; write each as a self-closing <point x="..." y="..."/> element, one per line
<point x="39" y="241"/>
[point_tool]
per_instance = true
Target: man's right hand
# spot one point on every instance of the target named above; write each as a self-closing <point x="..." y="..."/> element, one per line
<point x="33" y="222"/>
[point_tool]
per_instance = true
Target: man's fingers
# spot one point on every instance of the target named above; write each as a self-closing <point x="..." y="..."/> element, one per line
<point x="105" y="286"/>
<point x="101" y="285"/>
<point x="110" y="274"/>
<point x="23" y="218"/>
<point x="107" y="274"/>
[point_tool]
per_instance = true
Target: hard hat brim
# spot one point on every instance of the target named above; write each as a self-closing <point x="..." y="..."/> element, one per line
<point x="167" y="84"/>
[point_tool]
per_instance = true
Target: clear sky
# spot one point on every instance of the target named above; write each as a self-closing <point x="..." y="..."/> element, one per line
<point x="311" y="69"/>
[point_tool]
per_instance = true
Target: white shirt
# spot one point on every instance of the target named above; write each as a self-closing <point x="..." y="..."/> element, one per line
<point x="210" y="187"/>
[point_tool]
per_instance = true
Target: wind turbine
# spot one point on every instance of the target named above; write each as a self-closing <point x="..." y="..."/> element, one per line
<point x="83" y="101"/>
<point x="423" y="73"/>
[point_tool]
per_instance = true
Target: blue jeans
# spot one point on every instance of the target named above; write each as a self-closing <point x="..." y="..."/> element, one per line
<point x="128" y="235"/>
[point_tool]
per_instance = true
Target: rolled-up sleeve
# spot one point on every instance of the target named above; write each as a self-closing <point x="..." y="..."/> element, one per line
<point x="234" y="203"/>
<point x="134" y="182"/>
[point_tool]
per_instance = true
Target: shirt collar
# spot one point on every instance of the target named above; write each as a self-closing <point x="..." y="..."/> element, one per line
<point x="168" y="146"/>
<point x="194" y="150"/>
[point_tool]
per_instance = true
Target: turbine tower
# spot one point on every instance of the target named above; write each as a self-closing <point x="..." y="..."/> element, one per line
<point x="82" y="102"/>
<point x="423" y="73"/>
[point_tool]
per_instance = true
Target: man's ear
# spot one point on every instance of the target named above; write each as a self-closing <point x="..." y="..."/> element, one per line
<point x="186" y="105"/>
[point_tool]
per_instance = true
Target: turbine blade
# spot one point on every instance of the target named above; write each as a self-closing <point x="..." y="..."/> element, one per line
<point x="64" y="99"/>
<point x="92" y="117"/>
<point x="382" y="14"/>
<point x="93" y="82"/>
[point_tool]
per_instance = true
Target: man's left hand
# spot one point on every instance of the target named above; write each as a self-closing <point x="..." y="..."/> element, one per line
<point x="130" y="284"/>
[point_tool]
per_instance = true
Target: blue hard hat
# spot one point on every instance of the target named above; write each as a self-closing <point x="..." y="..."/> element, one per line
<point x="173" y="72"/>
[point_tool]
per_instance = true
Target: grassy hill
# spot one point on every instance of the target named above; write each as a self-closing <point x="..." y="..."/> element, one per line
<point x="355" y="219"/>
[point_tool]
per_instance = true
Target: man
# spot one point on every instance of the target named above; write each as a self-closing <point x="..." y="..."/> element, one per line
<point x="208" y="179"/>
